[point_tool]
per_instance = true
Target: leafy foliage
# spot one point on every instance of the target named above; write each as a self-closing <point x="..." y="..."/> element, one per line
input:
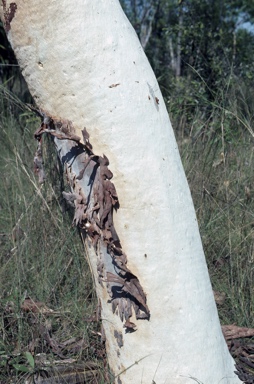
<point x="196" y="39"/>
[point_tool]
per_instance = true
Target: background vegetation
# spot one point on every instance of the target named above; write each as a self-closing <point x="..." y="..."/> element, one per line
<point x="47" y="303"/>
<point x="202" y="53"/>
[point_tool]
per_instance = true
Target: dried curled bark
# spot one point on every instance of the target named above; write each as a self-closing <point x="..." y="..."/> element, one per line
<point x="8" y="14"/>
<point x="94" y="204"/>
<point x="38" y="163"/>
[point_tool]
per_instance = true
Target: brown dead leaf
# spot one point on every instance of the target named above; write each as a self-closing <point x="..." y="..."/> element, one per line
<point x="232" y="331"/>
<point x="29" y="305"/>
<point x="219" y="297"/>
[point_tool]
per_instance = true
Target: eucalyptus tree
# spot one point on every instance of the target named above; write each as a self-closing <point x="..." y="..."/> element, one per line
<point x="100" y="101"/>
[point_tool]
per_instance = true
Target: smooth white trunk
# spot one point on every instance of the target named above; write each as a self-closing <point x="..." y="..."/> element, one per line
<point x="83" y="62"/>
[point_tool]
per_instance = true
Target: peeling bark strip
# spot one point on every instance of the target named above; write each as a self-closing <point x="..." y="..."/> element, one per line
<point x="38" y="163"/>
<point x="94" y="202"/>
<point x="8" y="14"/>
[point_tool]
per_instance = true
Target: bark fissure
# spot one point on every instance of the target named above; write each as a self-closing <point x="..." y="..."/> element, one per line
<point x="95" y="198"/>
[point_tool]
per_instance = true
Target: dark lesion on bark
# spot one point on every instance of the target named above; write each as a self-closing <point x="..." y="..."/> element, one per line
<point x="119" y="338"/>
<point x="95" y="198"/>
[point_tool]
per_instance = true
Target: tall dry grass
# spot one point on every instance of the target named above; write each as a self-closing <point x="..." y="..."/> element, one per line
<point x="41" y="260"/>
<point x="216" y="142"/>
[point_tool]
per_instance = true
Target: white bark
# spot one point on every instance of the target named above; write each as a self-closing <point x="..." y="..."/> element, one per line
<point x="83" y="62"/>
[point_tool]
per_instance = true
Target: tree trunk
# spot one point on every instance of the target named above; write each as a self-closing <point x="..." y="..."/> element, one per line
<point x="146" y="23"/>
<point x="85" y="68"/>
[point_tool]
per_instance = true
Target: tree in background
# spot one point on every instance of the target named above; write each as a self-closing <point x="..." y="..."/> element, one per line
<point x="203" y="42"/>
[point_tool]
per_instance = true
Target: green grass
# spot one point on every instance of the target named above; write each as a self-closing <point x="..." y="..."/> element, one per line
<point x="217" y="152"/>
<point x="41" y="257"/>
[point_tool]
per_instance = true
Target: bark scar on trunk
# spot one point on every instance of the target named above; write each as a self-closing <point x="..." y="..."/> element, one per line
<point x="95" y="198"/>
<point x="119" y="338"/>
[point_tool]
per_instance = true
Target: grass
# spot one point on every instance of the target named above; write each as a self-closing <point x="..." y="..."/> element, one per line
<point x="41" y="258"/>
<point x="217" y="152"/>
